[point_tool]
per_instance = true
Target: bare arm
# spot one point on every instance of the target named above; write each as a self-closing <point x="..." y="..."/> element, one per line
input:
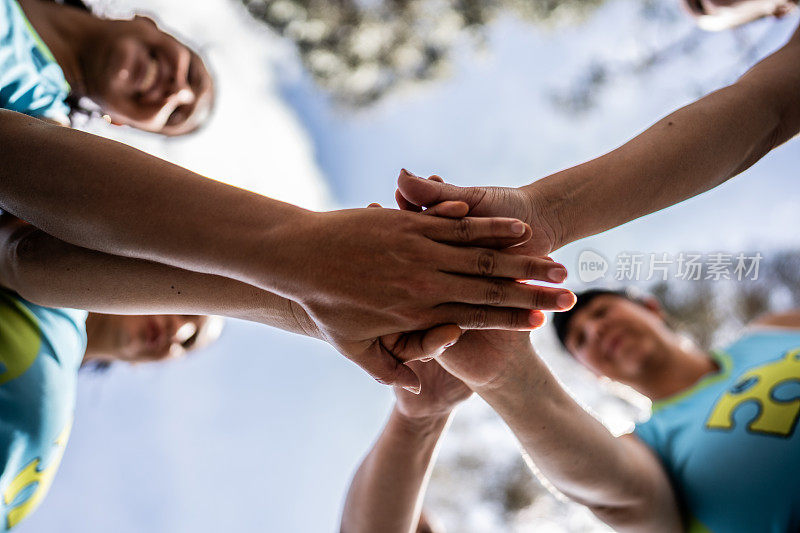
<point x="386" y="492"/>
<point x="51" y="272"/>
<point x="688" y="152"/>
<point x="342" y="267"/>
<point x="619" y="479"/>
<point x="789" y="320"/>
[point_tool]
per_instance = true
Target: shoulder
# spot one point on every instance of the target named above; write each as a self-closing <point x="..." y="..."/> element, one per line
<point x="787" y="320"/>
<point x="59" y="332"/>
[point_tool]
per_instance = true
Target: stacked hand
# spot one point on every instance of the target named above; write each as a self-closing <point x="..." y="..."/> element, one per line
<point x="441" y="393"/>
<point x="480" y="359"/>
<point x="389" y="272"/>
<point x="414" y="193"/>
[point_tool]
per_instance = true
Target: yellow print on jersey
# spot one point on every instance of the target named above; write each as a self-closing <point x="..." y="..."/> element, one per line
<point x="775" y="417"/>
<point x="30" y="475"/>
<point x="20" y="338"/>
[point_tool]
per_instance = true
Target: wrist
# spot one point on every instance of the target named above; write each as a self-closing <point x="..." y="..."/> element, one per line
<point x="547" y="212"/>
<point x="277" y="250"/>
<point x="305" y="324"/>
<point x="515" y="373"/>
<point x="420" y="426"/>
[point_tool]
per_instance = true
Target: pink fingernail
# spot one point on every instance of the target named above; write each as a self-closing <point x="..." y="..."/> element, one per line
<point x="557" y="275"/>
<point x="535" y="319"/>
<point x="517" y="228"/>
<point x="412" y="390"/>
<point x="565" y="301"/>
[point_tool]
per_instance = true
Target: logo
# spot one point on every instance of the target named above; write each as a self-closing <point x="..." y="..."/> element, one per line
<point x="777" y="415"/>
<point x="591" y="266"/>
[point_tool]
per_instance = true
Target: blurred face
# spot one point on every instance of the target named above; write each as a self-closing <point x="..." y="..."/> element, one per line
<point x="618" y="338"/>
<point x="724" y="14"/>
<point x="145" y="78"/>
<point x="147" y="338"/>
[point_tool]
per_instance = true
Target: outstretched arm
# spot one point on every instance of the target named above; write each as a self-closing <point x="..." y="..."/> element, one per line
<point x="341" y="267"/>
<point x="387" y="490"/>
<point x="51" y="272"/>
<point x="688" y="152"/>
<point x="619" y="479"/>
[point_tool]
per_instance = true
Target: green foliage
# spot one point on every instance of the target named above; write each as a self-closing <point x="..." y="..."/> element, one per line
<point x="362" y="51"/>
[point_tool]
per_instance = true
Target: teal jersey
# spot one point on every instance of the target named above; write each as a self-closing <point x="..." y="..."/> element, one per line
<point x="730" y="443"/>
<point x="31" y="81"/>
<point x="41" y="350"/>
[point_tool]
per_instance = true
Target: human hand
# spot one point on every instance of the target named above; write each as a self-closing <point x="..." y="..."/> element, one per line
<point x="441" y="393"/>
<point x="377" y="273"/>
<point x="486" y="359"/>
<point x="414" y="193"/>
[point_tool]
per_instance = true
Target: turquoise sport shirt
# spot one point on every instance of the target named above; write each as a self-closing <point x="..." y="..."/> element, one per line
<point x="41" y="350"/>
<point x="730" y="443"/>
<point x="31" y="81"/>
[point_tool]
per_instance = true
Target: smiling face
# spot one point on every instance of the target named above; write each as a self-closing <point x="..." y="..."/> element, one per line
<point x="619" y="338"/>
<point x="148" y="338"/>
<point x="724" y="14"/>
<point x="145" y="78"/>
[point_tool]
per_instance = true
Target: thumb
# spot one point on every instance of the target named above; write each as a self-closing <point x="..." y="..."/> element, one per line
<point x="385" y="366"/>
<point x="426" y="193"/>
<point x="437" y="339"/>
<point x="422" y="344"/>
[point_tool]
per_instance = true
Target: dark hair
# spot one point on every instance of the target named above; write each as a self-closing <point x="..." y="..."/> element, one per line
<point x="99" y="367"/>
<point x="561" y="319"/>
<point x="74" y="3"/>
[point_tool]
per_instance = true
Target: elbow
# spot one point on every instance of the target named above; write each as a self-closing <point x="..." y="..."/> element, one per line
<point x="21" y="256"/>
<point x="651" y="509"/>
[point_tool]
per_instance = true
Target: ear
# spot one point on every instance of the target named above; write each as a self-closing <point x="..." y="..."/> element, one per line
<point x="145" y="19"/>
<point x="652" y="305"/>
<point x="784" y="9"/>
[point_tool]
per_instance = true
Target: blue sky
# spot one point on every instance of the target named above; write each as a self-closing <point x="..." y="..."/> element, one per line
<point x="262" y="431"/>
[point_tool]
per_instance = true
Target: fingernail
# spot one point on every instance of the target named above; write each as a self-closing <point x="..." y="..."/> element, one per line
<point x="426" y="360"/>
<point x="449" y="344"/>
<point x="557" y="274"/>
<point x="565" y="301"/>
<point x="517" y="228"/>
<point x="535" y="319"/>
<point x="412" y="390"/>
<point x="410" y="173"/>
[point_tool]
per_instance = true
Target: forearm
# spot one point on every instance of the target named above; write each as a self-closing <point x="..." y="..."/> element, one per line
<point x="386" y="492"/>
<point x="689" y="152"/>
<point x="577" y="453"/>
<point x="50" y="272"/>
<point x="572" y="449"/>
<point x="107" y="196"/>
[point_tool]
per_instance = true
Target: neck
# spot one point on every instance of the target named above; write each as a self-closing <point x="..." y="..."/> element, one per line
<point x="68" y="32"/>
<point x="95" y="336"/>
<point x="683" y="366"/>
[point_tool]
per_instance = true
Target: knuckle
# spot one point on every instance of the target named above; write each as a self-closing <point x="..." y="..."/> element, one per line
<point x="478" y="318"/>
<point x="463" y="229"/>
<point x="531" y="269"/>
<point x="487" y="262"/>
<point x="495" y="292"/>
<point x="537" y="299"/>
